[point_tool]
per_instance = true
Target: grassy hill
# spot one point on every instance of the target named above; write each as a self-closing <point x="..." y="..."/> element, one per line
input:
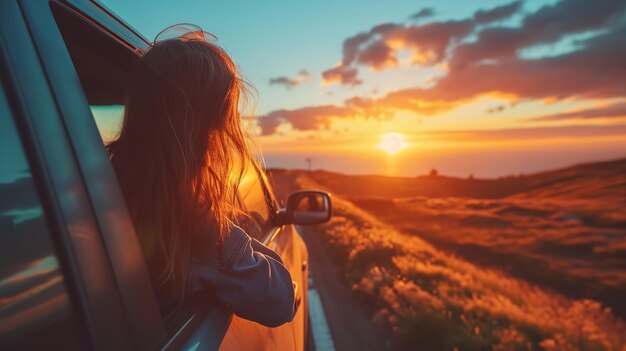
<point x="372" y="186"/>
<point x="537" y="264"/>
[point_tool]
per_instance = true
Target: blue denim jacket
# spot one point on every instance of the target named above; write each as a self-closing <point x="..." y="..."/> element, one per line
<point x="251" y="279"/>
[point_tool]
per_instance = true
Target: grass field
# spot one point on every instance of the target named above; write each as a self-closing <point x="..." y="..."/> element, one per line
<point x="540" y="268"/>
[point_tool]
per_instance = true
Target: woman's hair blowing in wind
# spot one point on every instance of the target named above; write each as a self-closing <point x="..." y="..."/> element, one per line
<point x="181" y="150"/>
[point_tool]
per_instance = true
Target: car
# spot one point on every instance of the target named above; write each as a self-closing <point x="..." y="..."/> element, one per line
<point x="72" y="274"/>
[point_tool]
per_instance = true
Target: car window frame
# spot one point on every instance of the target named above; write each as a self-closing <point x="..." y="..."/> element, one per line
<point x="268" y="201"/>
<point x="272" y="203"/>
<point x="49" y="223"/>
<point x="71" y="106"/>
<point x="38" y="119"/>
<point x="271" y="200"/>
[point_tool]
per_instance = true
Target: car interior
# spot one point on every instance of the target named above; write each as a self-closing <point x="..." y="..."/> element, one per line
<point x="103" y="65"/>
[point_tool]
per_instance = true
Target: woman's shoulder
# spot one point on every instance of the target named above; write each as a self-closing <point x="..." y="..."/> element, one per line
<point x="253" y="282"/>
<point x="234" y="240"/>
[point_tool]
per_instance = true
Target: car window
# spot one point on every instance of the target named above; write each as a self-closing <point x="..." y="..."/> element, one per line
<point x="35" y="309"/>
<point x="108" y="111"/>
<point x="102" y="65"/>
<point x="255" y="204"/>
<point x="109" y="121"/>
<point x="251" y="193"/>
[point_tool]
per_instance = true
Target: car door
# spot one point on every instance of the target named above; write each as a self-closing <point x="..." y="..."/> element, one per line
<point x="37" y="305"/>
<point x="259" y="203"/>
<point x="84" y="54"/>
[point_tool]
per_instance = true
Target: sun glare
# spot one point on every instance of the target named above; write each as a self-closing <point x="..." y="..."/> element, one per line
<point x="392" y="143"/>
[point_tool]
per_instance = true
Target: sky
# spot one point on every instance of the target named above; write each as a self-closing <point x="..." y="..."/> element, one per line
<point x="487" y="88"/>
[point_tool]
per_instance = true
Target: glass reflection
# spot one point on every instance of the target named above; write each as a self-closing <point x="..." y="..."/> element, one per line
<point x="35" y="312"/>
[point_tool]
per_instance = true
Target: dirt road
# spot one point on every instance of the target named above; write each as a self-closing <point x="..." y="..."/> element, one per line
<point x="350" y="327"/>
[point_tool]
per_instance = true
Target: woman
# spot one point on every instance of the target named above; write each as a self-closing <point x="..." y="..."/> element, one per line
<point x="179" y="156"/>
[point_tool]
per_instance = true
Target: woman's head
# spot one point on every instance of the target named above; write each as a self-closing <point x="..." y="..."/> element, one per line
<point x="181" y="145"/>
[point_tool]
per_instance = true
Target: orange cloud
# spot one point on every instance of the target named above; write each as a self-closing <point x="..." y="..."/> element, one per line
<point x="497" y="13"/>
<point x="307" y="118"/>
<point x="430" y="42"/>
<point x="487" y="66"/>
<point x="616" y="110"/>
<point x="302" y="77"/>
<point x="341" y="74"/>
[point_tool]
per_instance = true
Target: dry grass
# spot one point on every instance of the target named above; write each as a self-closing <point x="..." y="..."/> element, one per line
<point x="576" y="246"/>
<point x="430" y="300"/>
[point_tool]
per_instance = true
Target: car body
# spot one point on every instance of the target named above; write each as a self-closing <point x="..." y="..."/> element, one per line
<point x="72" y="274"/>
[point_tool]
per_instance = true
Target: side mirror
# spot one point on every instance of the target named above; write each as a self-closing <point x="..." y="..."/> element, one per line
<point x="307" y="207"/>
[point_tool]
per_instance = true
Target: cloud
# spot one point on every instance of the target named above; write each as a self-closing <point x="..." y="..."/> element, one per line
<point x="344" y="73"/>
<point x="547" y="25"/>
<point x="341" y="74"/>
<point x="352" y="45"/>
<point x="574" y="131"/>
<point x="377" y="48"/>
<point x="432" y="39"/>
<point x="306" y="118"/>
<point x="615" y="110"/>
<point x="551" y="22"/>
<point x="597" y="70"/>
<point x="378" y="55"/>
<point x="489" y="64"/>
<point x="319" y="117"/>
<point x="423" y="13"/>
<point x="496" y="109"/>
<point x="430" y="42"/>
<point x="302" y="77"/>
<point x="498" y="13"/>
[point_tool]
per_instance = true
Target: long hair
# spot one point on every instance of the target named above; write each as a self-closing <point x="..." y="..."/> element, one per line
<point x="181" y="151"/>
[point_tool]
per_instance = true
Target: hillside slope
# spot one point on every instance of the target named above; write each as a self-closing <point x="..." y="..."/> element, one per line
<point x="369" y="186"/>
<point x="563" y="229"/>
<point x="427" y="299"/>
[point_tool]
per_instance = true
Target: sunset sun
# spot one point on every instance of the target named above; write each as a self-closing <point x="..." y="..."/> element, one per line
<point x="392" y="143"/>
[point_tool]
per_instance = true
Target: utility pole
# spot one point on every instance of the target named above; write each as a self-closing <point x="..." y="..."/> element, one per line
<point x="308" y="161"/>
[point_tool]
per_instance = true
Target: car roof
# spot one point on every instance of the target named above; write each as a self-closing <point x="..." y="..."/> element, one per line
<point x="100" y="13"/>
<point x="103" y="48"/>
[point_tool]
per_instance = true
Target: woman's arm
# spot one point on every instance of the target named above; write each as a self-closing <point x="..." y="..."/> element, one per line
<point x="253" y="281"/>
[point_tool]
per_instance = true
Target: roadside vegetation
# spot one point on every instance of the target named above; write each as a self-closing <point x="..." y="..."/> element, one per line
<point x="428" y="299"/>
